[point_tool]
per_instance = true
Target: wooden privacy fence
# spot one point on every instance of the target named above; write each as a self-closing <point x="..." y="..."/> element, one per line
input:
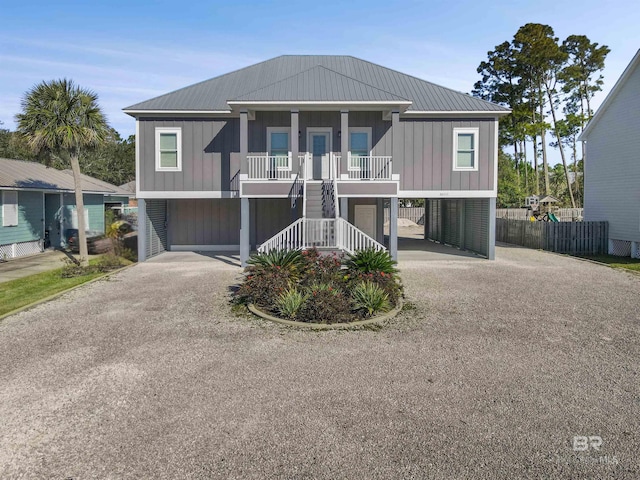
<point x="415" y="214"/>
<point x="562" y="237"/>
<point x="563" y="214"/>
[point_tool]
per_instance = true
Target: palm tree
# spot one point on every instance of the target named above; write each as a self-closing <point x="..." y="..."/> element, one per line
<point x="60" y="118"/>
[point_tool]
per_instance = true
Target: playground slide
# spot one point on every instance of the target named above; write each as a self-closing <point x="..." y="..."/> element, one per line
<point x="553" y="218"/>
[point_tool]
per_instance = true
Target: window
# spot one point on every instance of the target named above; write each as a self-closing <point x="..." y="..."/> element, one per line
<point x="279" y="148"/>
<point x="359" y="147"/>
<point x="9" y="208"/>
<point x="465" y="149"/>
<point x="168" y="149"/>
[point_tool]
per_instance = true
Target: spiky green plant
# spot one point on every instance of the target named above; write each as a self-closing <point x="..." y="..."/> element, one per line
<point x="290" y="302"/>
<point x="370" y="260"/>
<point x="369" y="297"/>
<point x="290" y="261"/>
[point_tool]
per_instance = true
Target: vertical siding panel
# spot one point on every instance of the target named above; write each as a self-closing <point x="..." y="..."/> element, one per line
<point x="437" y="156"/>
<point x="416" y="154"/>
<point x="426" y="180"/>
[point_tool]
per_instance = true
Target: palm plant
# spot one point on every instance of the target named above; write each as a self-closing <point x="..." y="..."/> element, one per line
<point x="60" y="118"/>
<point x="370" y="260"/>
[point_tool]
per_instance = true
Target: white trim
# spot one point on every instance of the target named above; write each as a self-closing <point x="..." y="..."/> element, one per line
<point x="178" y="133"/>
<point x="475" y="131"/>
<point x="177" y="112"/>
<point x="319" y="102"/>
<point x="286" y="130"/>
<point x="612" y="94"/>
<point x="137" y="156"/>
<point x="204" y="248"/>
<point x="447" y="193"/>
<point x="15" y="204"/>
<point x="188" y="194"/>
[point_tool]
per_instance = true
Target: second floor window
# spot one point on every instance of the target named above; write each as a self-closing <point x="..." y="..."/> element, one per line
<point x="359" y="146"/>
<point x="168" y="149"/>
<point x="465" y="147"/>
<point x="278" y="146"/>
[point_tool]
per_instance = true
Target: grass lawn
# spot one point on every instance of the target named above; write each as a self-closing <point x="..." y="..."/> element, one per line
<point x="23" y="291"/>
<point x="617" y="262"/>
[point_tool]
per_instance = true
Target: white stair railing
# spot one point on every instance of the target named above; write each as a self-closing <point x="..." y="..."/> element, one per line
<point x="321" y="233"/>
<point x="351" y="239"/>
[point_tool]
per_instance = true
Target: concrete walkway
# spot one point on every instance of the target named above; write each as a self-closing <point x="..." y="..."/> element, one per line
<point x="25" y="266"/>
<point x="491" y="371"/>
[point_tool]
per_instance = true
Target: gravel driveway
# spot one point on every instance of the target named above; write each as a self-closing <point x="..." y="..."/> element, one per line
<point x="491" y="372"/>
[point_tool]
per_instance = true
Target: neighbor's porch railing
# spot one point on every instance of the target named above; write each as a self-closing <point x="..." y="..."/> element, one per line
<point x="320" y="233"/>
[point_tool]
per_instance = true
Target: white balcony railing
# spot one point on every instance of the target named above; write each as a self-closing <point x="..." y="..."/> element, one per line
<point x="370" y="167"/>
<point x="269" y="167"/>
<point x="321" y="233"/>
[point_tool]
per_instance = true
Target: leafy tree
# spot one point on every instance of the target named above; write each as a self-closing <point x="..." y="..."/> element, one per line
<point x="510" y="193"/>
<point x="114" y="161"/>
<point x="60" y="118"/>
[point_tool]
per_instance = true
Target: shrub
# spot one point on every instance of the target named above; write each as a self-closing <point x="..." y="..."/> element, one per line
<point x="290" y="302"/>
<point x="321" y="268"/>
<point x="390" y="283"/>
<point x="262" y="286"/>
<point x="107" y="262"/>
<point x="72" y="268"/>
<point x="370" y="261"/>
<point x="325" y="305"/>
<point x="370" y="298"/>
<point x="288" y="260"/>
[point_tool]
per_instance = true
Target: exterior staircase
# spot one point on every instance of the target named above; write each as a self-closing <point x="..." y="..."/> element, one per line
<point x="320" y="226"/>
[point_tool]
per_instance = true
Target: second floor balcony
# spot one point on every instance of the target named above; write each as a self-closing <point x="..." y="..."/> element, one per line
<point x="329" y="166"/>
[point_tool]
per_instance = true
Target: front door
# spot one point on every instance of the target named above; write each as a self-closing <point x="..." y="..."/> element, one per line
<point x="319" y="143"/>
<point x="365" y="219"/>
<point x="52" y="212"/>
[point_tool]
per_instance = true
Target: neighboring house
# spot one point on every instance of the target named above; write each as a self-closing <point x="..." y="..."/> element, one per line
<point x="612" y="165"/>
<point x="38" y="203"/>
<point x="131" y="188"/>
<point x="299" y="150"/>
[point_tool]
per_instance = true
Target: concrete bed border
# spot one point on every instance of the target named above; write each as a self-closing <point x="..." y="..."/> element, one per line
<point x="328" y="326"/>
<point x="59" y="294"/>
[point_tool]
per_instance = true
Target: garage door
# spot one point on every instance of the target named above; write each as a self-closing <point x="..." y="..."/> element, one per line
<point x="476" y="225"/>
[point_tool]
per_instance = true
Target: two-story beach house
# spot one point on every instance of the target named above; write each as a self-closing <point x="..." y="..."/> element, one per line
<point x="306" y="150"/>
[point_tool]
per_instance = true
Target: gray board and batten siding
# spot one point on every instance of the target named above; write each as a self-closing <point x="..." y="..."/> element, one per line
<point x="210" y="155"/>
<point x="211" y="159"/>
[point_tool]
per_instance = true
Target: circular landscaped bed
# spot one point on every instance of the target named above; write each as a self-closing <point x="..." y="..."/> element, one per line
<point x="309" y="288"/>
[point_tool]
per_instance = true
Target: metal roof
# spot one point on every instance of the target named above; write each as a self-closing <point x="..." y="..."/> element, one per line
<point x="320" y="78"/>
<point x="33" y="175"/>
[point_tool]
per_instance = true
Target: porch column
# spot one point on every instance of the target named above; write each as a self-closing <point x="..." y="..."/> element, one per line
<point x="635" y="249"/>
<point x="393" y="228"/>
<point x="344" y="208"/>
<point x="244" y="140"/>
<point x="396" y="140"/>
<point x="295" y="142"/>
<point x="142" y="230"/>
<point x="491" y="235"/>
<point x="344" y="142"/>
<point x="245" y="243"/>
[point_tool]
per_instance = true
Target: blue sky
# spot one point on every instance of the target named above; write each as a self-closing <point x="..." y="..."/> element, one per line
<point x="129" y="51"/>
